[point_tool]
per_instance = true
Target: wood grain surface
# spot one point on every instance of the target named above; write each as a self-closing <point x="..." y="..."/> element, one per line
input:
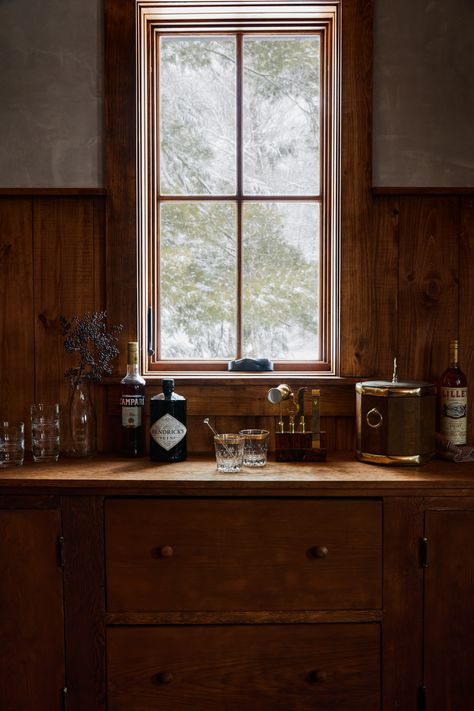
<point x="17" y="343"/>
<point x="32" y="673"/>
<point x="448" y="619"/>
<point x="357" y="239"/>
<point x="229" y="554"/>
<point x="403" y="603"/>
<point x="429" y="277"/>
<point x="64" y="269"/>
<point x="466" y="298"/>
<point x="84" y="584"/>
<point x="245" y="667"/>
<point x="338" y="476"/>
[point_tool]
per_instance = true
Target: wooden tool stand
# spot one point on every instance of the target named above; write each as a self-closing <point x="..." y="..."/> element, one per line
<point x="298" y="447"/>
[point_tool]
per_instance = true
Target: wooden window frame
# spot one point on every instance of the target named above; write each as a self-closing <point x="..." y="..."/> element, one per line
<point x="123" y="265"/>
<point x="321" y="21"/>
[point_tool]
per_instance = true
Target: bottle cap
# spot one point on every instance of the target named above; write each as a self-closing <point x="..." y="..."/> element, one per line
<point x="132" y="352"/>
<point x="454" y="350"/>
<point x="167" y="385"/>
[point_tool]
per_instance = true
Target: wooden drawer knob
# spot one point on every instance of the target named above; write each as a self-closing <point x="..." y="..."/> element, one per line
<point x="165" y="551"/>
<point x="319" y="551"/>
<point x="317" y="676"/>
<point x="164" y="677"/>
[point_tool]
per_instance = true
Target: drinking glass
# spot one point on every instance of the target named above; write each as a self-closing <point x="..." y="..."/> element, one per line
<point x="255" y="447"/>
<point x="12" y="444"/>
<point x="229" y="452"/>
<point x="45" y="432"/>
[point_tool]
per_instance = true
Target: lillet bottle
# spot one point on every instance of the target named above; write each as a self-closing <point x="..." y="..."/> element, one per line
<point x="453" y="399"/>
<point x="132" y="401"/>
<point x="168" y="425"/>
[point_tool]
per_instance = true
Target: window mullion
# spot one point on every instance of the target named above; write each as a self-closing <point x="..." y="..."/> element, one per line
<point x="239" y="169"/>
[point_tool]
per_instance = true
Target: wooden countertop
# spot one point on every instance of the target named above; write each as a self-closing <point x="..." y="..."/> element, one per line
<point x="340" y="475"/>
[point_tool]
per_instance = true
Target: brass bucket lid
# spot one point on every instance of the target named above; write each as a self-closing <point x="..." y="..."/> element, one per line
<point x="387" y="388"/>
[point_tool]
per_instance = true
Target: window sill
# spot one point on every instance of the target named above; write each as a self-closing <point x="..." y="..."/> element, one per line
<point x="230" y="378"/>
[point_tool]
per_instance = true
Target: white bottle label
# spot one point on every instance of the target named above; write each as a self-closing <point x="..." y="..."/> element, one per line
<point x="132" y="410"/>
<point x="168" y="431"/>
<point x="131" y="416"/>
<point x="454" y="414"/>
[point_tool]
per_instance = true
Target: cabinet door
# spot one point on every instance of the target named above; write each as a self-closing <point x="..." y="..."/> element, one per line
<point x="449" y="610"/>
<point x="327" y="667"/>
<point x="31" y="611"/>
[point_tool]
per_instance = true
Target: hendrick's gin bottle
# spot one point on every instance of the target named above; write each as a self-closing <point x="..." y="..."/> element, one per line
<point x="168" y="425"/>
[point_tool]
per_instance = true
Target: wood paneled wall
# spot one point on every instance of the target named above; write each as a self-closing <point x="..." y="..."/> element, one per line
<point x="408" y="286"/>
<point x="52" y="255"/>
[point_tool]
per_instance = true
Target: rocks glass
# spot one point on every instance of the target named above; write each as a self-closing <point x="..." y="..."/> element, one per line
<point x="255" y="447"/>
<point x="229" y="452"/>
<point x="12" y="444"/>
<point x="45" y="432"/>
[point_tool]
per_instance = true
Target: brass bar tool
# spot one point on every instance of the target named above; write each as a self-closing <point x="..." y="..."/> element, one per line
<point x="276" y="396"/>
<point x="292" y="412"/>
<point x="316" y="420"/>
<point x="301" y="393"/>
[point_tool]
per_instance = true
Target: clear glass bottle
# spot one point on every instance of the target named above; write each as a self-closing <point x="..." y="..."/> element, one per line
<point x="453" y="399"/>
<point x="132" y="401"/>
<point x="79" y="437"/>
<point x="168" y="425"/>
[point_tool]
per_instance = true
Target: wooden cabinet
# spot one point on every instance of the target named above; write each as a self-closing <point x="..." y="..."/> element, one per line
<point x="32" y="674"/>
<point x="449" y="606"/>
<point x="297" y="588"/>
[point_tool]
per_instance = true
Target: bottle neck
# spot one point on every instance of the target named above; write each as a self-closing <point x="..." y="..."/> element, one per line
<point x="454" y="355"/>
<point x="168" y="388"/>
<point x="132" y="369"/>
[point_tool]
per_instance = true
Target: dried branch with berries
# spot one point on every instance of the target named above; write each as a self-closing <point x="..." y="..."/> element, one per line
<point x="95" y="345"/>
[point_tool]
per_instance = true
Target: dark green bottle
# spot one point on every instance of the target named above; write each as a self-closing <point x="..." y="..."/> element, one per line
<point x="168" y="425"/>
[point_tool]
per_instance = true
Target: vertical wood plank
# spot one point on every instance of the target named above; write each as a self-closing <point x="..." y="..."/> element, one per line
<point x="357" y="247"/>
<point x="466" y="301"/>
<point x="100" y="395"/>
<point x="328" y="425"/>
<point x="403" y="603"/>
<point x="345" y="434"/>
<point x="384" y="280"/>
<point x="64" y="284"/>
<point x="84" y="595"/>
<point x="428" y="296"/>
<point x="68" y="277"/>
<point x="120" y="105"/>
<point x="17" y="352"/>
<point x="370" y="293"/>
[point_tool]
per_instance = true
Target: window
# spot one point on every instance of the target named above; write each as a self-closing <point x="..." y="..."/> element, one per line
<point x="238" y="196"/>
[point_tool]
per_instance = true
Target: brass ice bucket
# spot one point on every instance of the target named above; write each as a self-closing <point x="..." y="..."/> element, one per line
<point x="396" y="422"/>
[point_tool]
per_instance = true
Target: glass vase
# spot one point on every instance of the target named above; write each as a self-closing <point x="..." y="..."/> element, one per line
<point x="80" y="429"/>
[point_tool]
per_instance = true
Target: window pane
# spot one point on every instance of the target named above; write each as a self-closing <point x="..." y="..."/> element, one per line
<point x="281" y="115"/>
<point x="197" y="115"/>
<point x="281" y="280"/>
<point x="198" y="247"/>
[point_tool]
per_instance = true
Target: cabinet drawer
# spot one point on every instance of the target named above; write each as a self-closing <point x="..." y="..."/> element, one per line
<point x="267" y="667"/>
<point x="243" y="554"/>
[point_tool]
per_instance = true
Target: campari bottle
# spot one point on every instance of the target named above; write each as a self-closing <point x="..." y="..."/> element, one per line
<point x="132" y="400"/>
